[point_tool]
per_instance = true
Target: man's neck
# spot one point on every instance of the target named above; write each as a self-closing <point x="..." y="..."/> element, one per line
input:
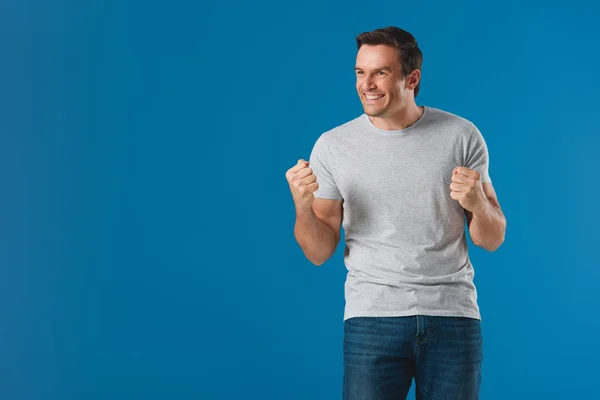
<point x="402" y="119"/>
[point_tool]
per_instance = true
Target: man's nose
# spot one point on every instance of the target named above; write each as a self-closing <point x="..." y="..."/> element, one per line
<point x="368" y="84"/>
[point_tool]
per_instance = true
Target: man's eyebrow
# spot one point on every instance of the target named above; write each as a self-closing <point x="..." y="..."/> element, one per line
<point x="389" y="69"/>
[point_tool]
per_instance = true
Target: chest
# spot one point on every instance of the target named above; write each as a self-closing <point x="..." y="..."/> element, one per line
<point x="397" y="169"/>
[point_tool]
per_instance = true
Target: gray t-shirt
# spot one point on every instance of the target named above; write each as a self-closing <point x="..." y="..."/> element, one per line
<point x="406" y="248"/>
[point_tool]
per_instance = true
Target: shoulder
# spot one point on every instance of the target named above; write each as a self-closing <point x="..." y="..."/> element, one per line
<point x="450" y="120"/>
<point x="342" y="132"/>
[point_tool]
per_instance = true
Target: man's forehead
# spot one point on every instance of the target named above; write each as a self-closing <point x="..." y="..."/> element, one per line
<point x="376" y="57"/>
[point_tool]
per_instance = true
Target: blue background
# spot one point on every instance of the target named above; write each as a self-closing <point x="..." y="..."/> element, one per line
<point x="146" y="224"/>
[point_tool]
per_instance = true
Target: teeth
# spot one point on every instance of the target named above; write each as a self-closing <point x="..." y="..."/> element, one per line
<point x="374" y="97"/>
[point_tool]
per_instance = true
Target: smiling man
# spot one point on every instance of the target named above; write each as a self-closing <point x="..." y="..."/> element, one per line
<point x="401" y="179"/>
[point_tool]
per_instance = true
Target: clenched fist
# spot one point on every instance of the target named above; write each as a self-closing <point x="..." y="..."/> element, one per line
<point x="302" y="184"/>
<point x="467" y="188"/>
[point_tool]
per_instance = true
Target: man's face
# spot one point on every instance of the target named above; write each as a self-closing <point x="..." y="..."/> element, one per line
<point x="379" y="82"/>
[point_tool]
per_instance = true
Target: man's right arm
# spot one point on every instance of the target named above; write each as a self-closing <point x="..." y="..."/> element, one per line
<point x="317" y="229"/>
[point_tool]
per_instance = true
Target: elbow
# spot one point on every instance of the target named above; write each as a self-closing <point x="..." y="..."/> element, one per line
<point x="500" y="240"/>
<point x="317" y="261"/>
<point x="314" y="257"/>
<point x="492" y="242"/>
<point x="490" y="246"/>
<point x="318" y="256"/>
<point x="495" y="246"/>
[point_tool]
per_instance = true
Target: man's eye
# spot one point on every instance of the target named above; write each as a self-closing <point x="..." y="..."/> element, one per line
<point x="380" y="73"/>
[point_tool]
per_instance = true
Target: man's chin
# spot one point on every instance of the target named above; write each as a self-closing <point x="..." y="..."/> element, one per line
<point x="373" y="113"/>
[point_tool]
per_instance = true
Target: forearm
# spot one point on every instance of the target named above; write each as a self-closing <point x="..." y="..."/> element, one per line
<point x="487" y="227"/>
<point x="317" y="240"/>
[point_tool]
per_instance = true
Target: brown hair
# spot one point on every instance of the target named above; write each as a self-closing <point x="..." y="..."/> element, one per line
<point x="406" y="44"/>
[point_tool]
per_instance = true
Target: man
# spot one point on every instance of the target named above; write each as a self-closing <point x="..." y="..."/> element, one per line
<point x="401" y="178"/>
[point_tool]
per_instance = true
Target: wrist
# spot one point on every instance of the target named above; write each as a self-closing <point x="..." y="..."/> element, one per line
<point x="482" y="209"/>
<point x="303" y="209"/>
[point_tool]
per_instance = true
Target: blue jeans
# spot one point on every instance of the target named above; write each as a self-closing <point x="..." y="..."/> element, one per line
<point x="383" y="354"/>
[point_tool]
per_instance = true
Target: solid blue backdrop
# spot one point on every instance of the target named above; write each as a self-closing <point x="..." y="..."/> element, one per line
<point x="147" y="246"/>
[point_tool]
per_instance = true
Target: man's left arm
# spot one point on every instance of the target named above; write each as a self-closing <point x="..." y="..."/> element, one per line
<point x="487" y="224"/>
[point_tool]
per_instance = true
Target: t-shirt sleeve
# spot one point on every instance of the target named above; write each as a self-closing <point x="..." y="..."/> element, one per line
<point x="477" y="157"/>
<point x="320" y="165"/>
